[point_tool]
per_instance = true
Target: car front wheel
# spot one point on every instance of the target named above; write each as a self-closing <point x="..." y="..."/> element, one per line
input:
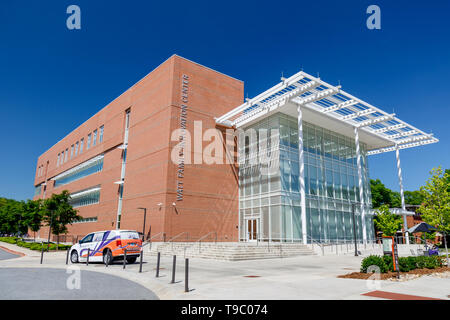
<point x="74" y="256"/>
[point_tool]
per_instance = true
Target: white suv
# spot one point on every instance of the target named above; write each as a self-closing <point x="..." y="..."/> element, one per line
<point x="106" y="246"/>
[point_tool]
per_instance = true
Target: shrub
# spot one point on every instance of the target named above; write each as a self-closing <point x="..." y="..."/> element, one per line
<point x="407" y="264"/>
<point x="12" y="240"/>
<point x="36" y="246"/>
<point x="374" y="260"/>
<point x="429" y="262"/>
<point x="388" y="261"/>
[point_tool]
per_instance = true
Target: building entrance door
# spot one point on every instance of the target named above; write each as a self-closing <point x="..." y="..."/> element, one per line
<point x="252" y="229"/>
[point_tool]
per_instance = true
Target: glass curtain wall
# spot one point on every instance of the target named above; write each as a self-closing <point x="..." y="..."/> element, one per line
<point x="331" y="183"/>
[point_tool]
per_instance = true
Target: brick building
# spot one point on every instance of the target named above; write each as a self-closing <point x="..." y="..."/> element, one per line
<point x="119" y="160"/>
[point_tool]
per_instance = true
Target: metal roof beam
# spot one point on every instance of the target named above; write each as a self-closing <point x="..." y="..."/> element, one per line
<point x="385" y="129"/>
<point x="357" y="114"/>
<point x="402" y="146"/>
<point x="402" y="134"/>
<point x="338" y="106"/>
<point x="316" y="96"/>
<point x="376" y="120"/>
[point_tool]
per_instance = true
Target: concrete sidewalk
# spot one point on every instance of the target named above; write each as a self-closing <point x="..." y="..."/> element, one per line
<point x="303" y="277"/>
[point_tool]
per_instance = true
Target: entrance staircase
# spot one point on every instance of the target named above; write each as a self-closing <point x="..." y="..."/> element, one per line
<point x="231" y="251"/>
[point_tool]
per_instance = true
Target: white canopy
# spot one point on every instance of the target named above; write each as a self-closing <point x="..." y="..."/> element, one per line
<point x="329" y="106"/>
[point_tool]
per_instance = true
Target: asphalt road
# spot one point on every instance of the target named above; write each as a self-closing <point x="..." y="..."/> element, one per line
<point x="58" y="284"/>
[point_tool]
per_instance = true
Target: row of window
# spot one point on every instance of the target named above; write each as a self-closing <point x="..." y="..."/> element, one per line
<point x="84" y="169"/>
<point x="77" y="147"/>
<point x="90" y="219"/>
<point x="85" y="198"/>
<point x="40" y="170"/>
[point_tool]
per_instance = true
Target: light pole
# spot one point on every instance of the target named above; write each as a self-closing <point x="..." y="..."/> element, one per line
<point x="143" y="230"/>
<point x="354" y="228"/>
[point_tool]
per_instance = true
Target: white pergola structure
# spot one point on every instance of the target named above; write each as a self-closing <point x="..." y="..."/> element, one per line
<point x="320" y="103"/>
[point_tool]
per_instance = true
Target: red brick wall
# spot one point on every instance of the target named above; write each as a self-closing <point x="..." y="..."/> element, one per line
<point x="210" y="200"/>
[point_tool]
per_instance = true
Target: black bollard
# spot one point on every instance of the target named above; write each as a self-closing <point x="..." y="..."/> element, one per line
<point x="157" y="264"/>
<point x="186" y="275"/>
<point x="67" y="256"/>
<point x="42" y="252"/>
<point x="124" y="258"/>
<point x="173" y="268"/>
<point x="141" y="257"/>
<point x="107" y="259"/>
<point x="87" y="257"/>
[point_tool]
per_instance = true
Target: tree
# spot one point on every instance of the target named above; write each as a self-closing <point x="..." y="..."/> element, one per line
<point x="59" y="213"/>
<point x="414" y="197"/>
<point x="33" y="215"/>
<point x="435" y="208"/>
<point x="380" y="194"/>
<point x="11" y="217"/>
<point x="387" y="222"/>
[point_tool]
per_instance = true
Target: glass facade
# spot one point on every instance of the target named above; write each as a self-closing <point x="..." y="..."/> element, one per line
<point x="81" y="171"/>
<point x="85" y="198"/>
<point x="270" y="190"/>
<point x="37" y="190"/>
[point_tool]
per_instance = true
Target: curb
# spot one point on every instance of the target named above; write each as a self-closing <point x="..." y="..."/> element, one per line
<point x="12" y="251"/>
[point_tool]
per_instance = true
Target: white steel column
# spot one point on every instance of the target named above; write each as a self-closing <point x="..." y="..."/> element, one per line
<point x="402" y="196"/>
<point x="360" y="183"/>
<point x="301" y="166"/>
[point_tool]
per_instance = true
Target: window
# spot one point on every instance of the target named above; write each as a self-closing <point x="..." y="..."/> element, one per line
<point x="71" y="151"/>
<point x="84" y="169"/>
<point x="98" y="236"/>
<point x="88" y="142"/>
<point x="37" y="190"/>
<point x="57" y="161"/>
<point x="87" y="239"/>
<point x="62" y="158"/>
<point x="76" y="149"/>
<point x="85" y="197"/>
<point x="81" y="145"/>
<point x="94" y="139"/>
<point x="100" y="138"/>
<point x="66" y="155"/>
<point x="90" y="219"/>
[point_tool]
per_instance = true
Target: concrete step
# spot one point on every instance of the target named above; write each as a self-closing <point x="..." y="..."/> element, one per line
<point x="229" y="250"/>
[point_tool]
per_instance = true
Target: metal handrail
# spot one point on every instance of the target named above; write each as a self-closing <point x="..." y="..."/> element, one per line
<point x="150" y="240"/>
<point x="177" y="236"/>
<point x="203" y="237"/>
<point x="156" y="236"/>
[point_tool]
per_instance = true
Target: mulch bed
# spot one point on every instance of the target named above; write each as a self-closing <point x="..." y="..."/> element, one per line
<point x="390" y="275"/>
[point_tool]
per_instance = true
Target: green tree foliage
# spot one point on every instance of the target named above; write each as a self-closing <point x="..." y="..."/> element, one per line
<point x="11" y="217"/>
<point x="33" y="213"/>
<point x="435" y="208"/>
<point x="387" y="222"/>
<point x="414" y="197"/>
<point x="58" y="213"/>
<point x="380" y="194"/>
<point x="384" y="196"/>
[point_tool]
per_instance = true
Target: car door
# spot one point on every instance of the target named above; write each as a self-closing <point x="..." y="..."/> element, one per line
<point x="85" y="244"/>
<point x="96" y="248"/>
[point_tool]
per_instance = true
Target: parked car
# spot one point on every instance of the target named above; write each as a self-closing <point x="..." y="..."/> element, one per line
<point x="107" y="246"/>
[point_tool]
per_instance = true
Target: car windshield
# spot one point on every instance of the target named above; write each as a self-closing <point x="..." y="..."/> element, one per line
<point x="129" y="235"/>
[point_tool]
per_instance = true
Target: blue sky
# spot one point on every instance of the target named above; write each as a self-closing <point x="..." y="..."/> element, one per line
<point x="52" y="79"/>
